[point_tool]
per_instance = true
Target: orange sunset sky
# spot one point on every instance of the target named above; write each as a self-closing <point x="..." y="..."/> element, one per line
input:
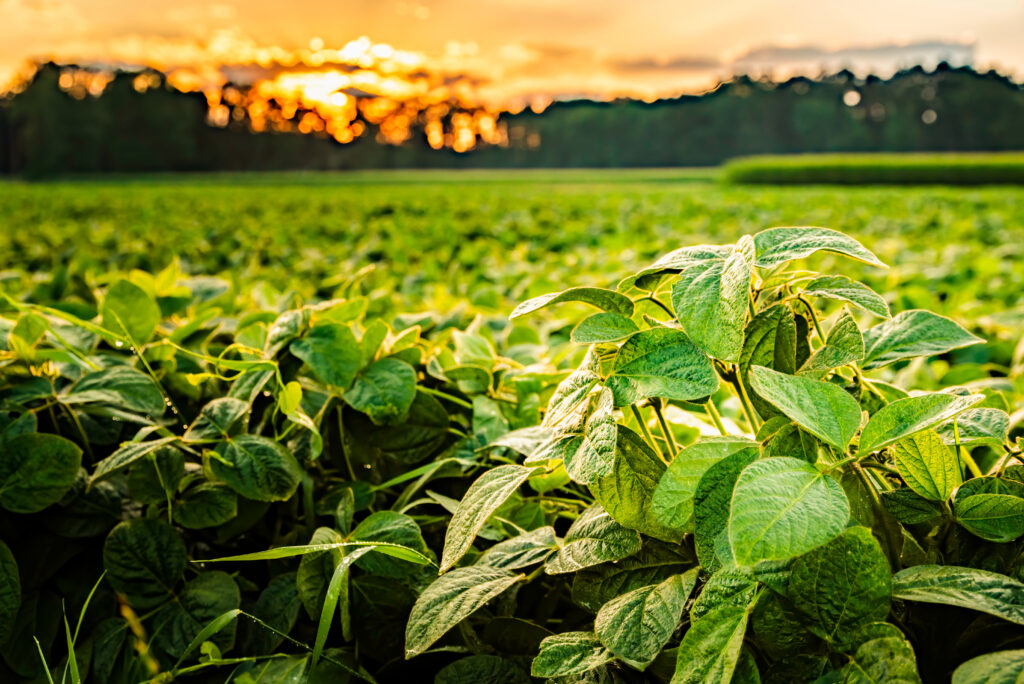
<point x="526" y="48"/>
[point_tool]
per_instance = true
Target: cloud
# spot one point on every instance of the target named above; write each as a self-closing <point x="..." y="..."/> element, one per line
<point x="650" y="64"/>
<point x="881" y="57"/>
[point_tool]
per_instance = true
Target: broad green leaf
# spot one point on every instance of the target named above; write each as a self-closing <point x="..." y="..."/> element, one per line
<point x="482" y="669"/>
<point x="603" y="328"/>
<point x="981" y="590"/>
<point x="569" y="394"/>
<point x="36" y="471"/>
<point x="636" y="625"/>
<point x="216" y="419"/>
<point x="449" y="600"/>
<point x="711" y="647"/>
<point x="711" y="305"/>
<point x="144" y="559"/>
<point x="419" y="435"/>
<point x="711" y="503"/>
<point x="909" y="507"/>
<point x="121" y="387"/>
<point x="257" y="468"/>
<point x="522" y="551"/>
<point x="10" y="591"/>
<point x="844" y="345"/>
<point x="129" y="311"/>
<point x="384" y="391"/>
<point x="205" y="505"/>
<point x="1001" y="667"/>
<point x="627" y="492"/>
<point x="332" y="352"/>
<point x="155" y="479"/>
<point x="726" y="587"/>
<point x="904" y="417"/>
<point x="317" y="568"/>
<point x="593" y="538"/>
<point x="672" y="503"/>
<point x="996" y="517"/>
<point x="663" y="362"/>
<point x="571" y="653"/>
<point x="913" y="333"/>
<point x="846" y="290"/>
<point x="389" y="527"/>
<point x="784" y="507"/>
<point x="821" y="408"/>
<point x="607" y="300"/>
<point x="201" y="601"/>
<point x="842" y="585"/>
<point x="770" y="340"/>
<point x="590" y="456"/>
<point x="778" y="628"/>
<point x="977" y="426"/>
<point x="483" y="497"/>
<point x="928" y="466"/>
<point x="677" y="261"/>
<point x="888" y="659"/>
<point x="126" y="455"/>
<point x="656" y="562"/>
<point x="775" y="246"/>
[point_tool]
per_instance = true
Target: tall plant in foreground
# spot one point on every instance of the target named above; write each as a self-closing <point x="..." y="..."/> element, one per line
<point x="805" y="542"/>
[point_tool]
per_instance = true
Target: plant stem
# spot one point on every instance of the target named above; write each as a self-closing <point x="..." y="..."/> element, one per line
<point x="748" y="408"/>
<point x="646" y="431"/>
<point x="963" y="455"/>
<point x="814" y="317"/>
<point x="655" y="300"/>
<point x="892" y="546"/>
<point x="715" y="417"/>
<point x="447" y="397"/>
<point x="670" y="440"/>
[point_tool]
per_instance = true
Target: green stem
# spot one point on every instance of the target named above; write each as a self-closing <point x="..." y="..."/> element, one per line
<point x="882" y="467"/>
<point x="745" y="404"/>
<point x="715" y="417"/>
<point x="447" y="397"/>
<point x="892" y="545"/>
<point x="655" y="300"/>
<point x="666" y="431"/>
<point x="646" y="431"/>
<point x="963" y="455"/>
<point x="814" y="317"/>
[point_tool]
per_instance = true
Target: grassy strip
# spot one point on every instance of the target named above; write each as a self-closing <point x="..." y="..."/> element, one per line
<point x="879" y="169"/>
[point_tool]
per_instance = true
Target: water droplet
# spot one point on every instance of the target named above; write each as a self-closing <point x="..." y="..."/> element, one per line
<point x="266" y="393"/>
<point x="118" y="343"/>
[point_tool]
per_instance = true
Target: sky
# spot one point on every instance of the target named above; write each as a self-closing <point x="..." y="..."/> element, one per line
<point x="527" y="48"/>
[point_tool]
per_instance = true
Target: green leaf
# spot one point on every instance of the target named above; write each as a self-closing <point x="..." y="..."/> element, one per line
<point x="928" y="466"/>
<point x="571" y="653"/>
<point x="607" y="300"/>
<point x="977" y="426"/>
<point x="205" y="505"/>
<point x="216" y="419"/>
<point x="128" y="310"/>
<point x="522" y="551"/>
<point x="913" y="333"/>
<point x="909" y="507"/>
<point x="144" y="559"/>
<point x="888" y="659"/>
<point x="821" y="408"/>
<point x="770" y="340"/>
<point x="904" y="417"/>
<point x="664" y="363"/>
<point x="10" y="592"/>
<point x="449" y="600"/>
<point x="711" y="505"/>
<point x="593" y="538"/>
<point x="332" y="353"/>
<point x="726" y="587"/>
<point x="779" y="245"/>
<point x="36" y="471"/>
<point x="316" y="569"/>
<point x="126" y="455"/>
<point x="122" y="387"/>
<point x="655" y="562"/>
<point x="481" y="669"/>
<point x="842" y="585"/>
<point x="257" y="468"/>
<point x="202" y="600"/>
<point x="1001" y="667"/>
<point x="390" y="527"/>
<point x="844" y="345"/>
<point x="337" y="588"/>
<point x="995" y="517"/>
<point x="384" y="391"/>
<point x="590" y="456"/>
<point x="676" y="261"/>
<point x="672" y="502"/>
<point x="981" y="590"/>
<point x="636" y="625"/>
<point x="569" y="394"/>
<point x="846" y="290"/>
<point x="627" y="492"/>
<point x="783" y="507"/>
<point x="711" y="647"/>
<point x="602" y="328"/>
<point x="711" y="304"/>
<point x="483" y="497"/>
